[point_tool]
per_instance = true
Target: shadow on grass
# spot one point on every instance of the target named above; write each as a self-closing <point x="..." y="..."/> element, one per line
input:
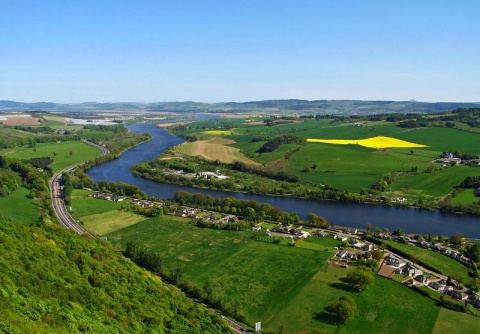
<point x="343" y="286"/>
<point x="325" y="317"/>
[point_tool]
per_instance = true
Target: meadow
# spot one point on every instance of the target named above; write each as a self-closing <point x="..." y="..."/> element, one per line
<point x="100" y="216"/>
<point x="59" y="152"/>
<point x="19" y="208"/>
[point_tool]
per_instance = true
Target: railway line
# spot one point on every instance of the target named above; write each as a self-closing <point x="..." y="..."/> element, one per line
<point x="58" y="201"/>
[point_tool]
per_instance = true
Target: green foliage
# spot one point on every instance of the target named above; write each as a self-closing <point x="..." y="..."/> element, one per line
<point x="360" y="278"/>
<point x="54" y="281"/>
<point x="345" y="309"/>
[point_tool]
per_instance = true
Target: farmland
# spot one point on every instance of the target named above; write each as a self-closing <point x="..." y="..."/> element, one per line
<point x="354" y="157"/>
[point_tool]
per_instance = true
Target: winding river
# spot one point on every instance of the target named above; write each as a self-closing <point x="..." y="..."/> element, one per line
<point x="410" y="220"/>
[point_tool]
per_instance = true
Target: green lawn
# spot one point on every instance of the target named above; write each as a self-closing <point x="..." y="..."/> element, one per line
<point x="451" y="322"/>
<point x="19" y="208"/>
<point x="80" y="152"/>
<point x="466" y="196"/>
<point x="84" y="204"/>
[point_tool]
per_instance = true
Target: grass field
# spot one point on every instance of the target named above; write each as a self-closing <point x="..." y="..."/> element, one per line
<point x="19" y="208"/>
<point x="107" y="222"/>
<point x="215" y="149"/>
<point x="430" y="186"/>
<point x="451" y="322"/>
<point x="466" y="196"/>
<point x="443" y="264"/>
<point x="100" y="216"/>
<point x="80" y="152"/>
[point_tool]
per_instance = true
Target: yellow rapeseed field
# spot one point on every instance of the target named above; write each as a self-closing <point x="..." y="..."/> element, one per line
<point x="373" y="142"/>
<point x="218" y="132"/>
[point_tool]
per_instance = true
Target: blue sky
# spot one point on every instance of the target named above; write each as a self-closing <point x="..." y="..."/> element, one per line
<point x="232" y="50"/>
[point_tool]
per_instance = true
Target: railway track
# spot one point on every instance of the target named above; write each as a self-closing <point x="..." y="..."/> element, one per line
<point x="58" y="201"/>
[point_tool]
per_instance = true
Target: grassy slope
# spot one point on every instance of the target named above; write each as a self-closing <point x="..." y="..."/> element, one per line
<point x="466" y="196"/>
<point x="19" y="208"/>
<point x="279" y="285"/>
<point x="434" y="184"/>
<point x="81" y="152"/>
<point x="451" y="322"/>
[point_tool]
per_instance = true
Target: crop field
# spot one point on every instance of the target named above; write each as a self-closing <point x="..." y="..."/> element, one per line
<point x="218" y="132"/>
<point x="386" y="148"/>
<point x="61" y="159"/>
<point x="373" y="142"/>
<point x="215" y="149"/>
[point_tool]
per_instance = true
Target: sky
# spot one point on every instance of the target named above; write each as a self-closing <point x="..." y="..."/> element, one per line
<point x="70" y="51"/>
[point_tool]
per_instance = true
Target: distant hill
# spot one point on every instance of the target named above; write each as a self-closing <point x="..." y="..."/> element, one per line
<point x="334" y="107"/>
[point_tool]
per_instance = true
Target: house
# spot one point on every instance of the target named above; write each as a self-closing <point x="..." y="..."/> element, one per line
<point x="438" y="286"/>
<point x="421" y="278"/>
<point x="368" y="247"/>
<point x="256" y="228"/>
<point x="474" y="162"/>
<point x="395" y="261"/>
<point x="343" y="254"/>
<point x="410" y="270"/>
<point x="458" y="295"/>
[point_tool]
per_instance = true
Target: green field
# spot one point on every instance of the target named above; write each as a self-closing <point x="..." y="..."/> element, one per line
<point x="100" y="216"/>
<point x="466" y="196"/>
<point x="353" y="167"/>
<point x="451" y="322"/>
<point x="19" y="208"/>
<point x="279" y="285"/>
<point x="80" y="152"/>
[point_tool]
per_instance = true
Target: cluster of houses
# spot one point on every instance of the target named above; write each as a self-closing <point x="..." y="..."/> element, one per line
<point x="290" y="231"/>
<point x="449" y="159"/>
<point x="212" y="217"/>
<point x="198" y="175"/>
<point x="107" y="197"/>
<point x="418" y="277"/>
<point x="436" y="247"/>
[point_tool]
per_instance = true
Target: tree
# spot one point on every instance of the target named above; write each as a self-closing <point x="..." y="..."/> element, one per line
<point x="456" y="240"/>
<point x="71" y="153"/>
<point x="54" y="154"/>
<point x="345" y="309"/>
<point x="360" y="278"/>
<point x="473" y="252"/>
<point x="377" y="255"/>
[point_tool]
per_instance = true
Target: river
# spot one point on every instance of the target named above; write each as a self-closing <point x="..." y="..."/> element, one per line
<point x="410" y="220"/>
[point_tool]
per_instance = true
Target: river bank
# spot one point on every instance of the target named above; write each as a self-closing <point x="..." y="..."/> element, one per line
<point x="410" y="220"/>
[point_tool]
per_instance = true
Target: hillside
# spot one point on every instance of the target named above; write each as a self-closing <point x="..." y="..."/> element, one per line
<point x="54" y="281"/>
<point x="331" y="107"/>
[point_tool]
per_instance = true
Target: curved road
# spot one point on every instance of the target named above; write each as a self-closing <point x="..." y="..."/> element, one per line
<point x="57" y="197"/>
<point x="67" y="220"/>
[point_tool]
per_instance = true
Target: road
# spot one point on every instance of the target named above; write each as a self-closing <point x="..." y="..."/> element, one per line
<point x="67" y="220"/>
<point x="58" y="201"/>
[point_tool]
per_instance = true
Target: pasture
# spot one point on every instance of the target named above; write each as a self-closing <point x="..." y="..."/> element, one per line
<point x="451" y="322"/>
<point x="19" y="208"/>
<point x="100" y="216"/>
<point x="59" y="152"/>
